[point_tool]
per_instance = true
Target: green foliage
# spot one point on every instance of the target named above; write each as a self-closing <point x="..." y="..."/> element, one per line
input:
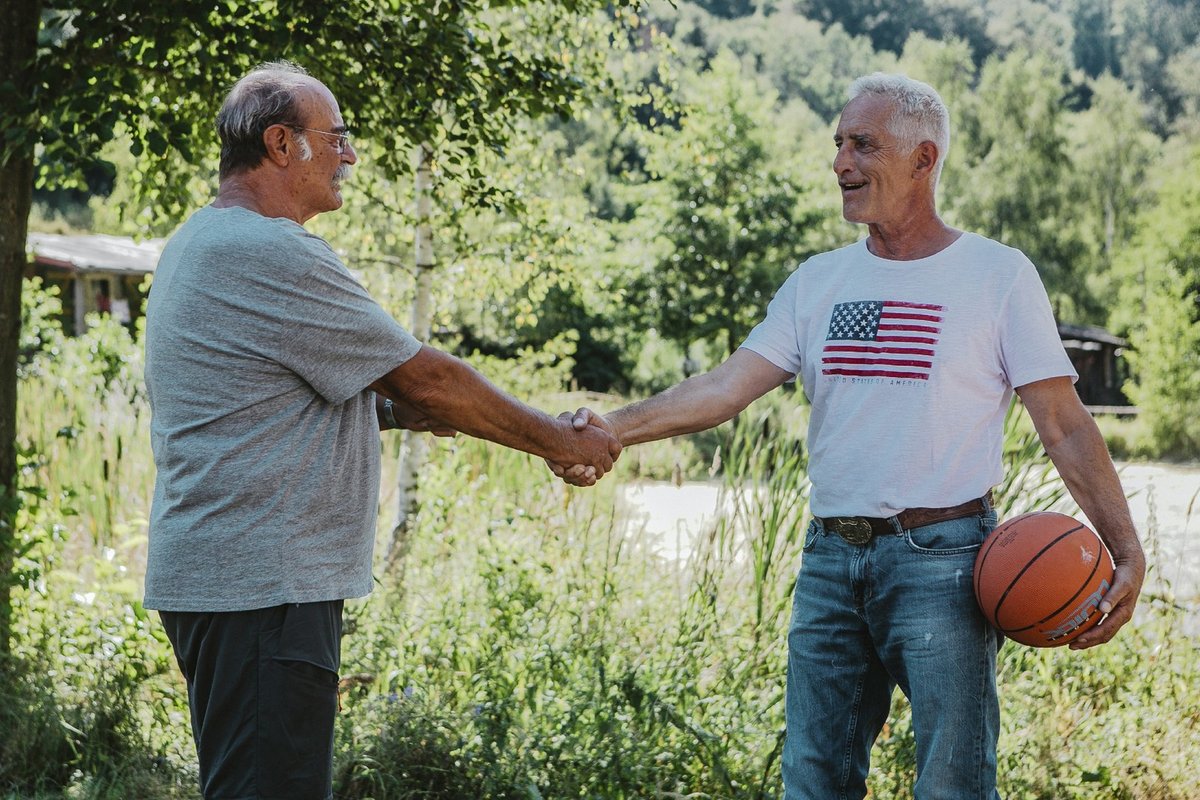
<point x="734" y="219"/>
<point x="887" y="24"/>
<point x="1168" y="363"/>
<point x="1160" y="308"/>
<point x="455" y="75"/>
<point x="524" y="281"/>
<point x="570" y="684"/>
<point x="805" y="62"/>
<point x="1014" y="145"/>
<point x="539" y="645"/>
<point x="1152" y="36"/>
<point x="1113" y="151"/>
<point x="84" y="678"/>
<point x="41" y="324"/>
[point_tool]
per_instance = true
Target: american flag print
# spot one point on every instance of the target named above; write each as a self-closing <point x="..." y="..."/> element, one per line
<point x="882" y="339"/>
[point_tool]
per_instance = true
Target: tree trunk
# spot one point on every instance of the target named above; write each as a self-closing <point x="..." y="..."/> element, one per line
<point x="415" y="445"/>
<point x="18" y="46"/>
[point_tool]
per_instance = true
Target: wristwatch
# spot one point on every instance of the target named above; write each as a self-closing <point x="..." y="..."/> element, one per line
<point x="389" y="414"/>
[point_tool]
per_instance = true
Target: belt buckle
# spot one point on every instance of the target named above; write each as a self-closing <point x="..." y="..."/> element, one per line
<point x="855" y="530"/>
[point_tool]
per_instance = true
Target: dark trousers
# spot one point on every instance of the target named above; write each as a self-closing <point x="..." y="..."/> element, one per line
<point x="262" y="687"/>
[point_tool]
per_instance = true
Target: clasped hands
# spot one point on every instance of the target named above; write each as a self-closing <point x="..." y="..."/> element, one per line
<point x="588" y="423"/>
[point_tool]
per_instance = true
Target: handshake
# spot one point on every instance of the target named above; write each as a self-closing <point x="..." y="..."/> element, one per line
<point x="596" y="444"/>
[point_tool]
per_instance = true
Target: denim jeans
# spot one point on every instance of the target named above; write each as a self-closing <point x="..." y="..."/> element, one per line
<point x="899" y="611"/>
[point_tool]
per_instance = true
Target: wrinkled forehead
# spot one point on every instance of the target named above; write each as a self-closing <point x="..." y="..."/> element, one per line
<point x="318" y="106"/>
<point x="866" y="115"/>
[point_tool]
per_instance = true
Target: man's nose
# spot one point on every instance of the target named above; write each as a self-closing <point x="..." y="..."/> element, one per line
<point x="842" y="162"/>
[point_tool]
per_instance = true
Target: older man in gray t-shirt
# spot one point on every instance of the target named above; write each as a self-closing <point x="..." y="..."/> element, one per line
<point x="259" y="344"/>
<point x="271" y="372"/>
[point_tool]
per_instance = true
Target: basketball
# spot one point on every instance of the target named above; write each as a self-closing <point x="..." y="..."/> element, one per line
<point x="1039" y="578"/>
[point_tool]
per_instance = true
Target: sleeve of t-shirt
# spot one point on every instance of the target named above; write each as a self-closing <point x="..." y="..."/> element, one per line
<point x="1030" y="347"/>
<point x="324" y="326"/>
<point x="775" y="338"/>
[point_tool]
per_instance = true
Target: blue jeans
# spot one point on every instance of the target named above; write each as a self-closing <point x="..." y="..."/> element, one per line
<point x="899" y="611"/>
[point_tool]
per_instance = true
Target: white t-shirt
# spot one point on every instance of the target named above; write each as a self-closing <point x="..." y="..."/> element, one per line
<point x="910" y="368"/>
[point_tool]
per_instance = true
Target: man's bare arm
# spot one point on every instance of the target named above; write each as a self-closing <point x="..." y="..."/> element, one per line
<point x="1077" y="449"/>
<point x="696" y="404"/>
<point x="700" y="402"/>
<point x="447" y="389"/>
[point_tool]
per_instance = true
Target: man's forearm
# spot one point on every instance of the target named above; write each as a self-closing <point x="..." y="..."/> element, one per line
<point x="700" y="402"/>
<point x="685" y="408"/>
<point x="448" y="389"/>
<point x="1083" y="463"/>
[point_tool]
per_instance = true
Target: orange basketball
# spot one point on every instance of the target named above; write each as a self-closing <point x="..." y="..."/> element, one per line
<point x="1039" y="578"/>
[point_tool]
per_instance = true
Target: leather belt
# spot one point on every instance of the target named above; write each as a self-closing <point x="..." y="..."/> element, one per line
<point x="861" y="530"/>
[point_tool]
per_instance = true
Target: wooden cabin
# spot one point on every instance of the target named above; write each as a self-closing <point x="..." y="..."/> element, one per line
<point x="1097" y="357"/>
<point x="95" y="273"/>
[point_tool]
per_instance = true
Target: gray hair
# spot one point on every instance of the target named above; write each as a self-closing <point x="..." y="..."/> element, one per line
<point x="920" y="114"/>
<point x="266" y="96"/>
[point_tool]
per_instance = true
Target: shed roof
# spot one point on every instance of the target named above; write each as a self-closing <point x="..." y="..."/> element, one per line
<point x="1089" y="333"/>
<point x="95" y="252"/>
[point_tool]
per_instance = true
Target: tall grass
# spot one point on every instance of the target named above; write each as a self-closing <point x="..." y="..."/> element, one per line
<point x="88" y="694"/>
<point x="537" y="643"/>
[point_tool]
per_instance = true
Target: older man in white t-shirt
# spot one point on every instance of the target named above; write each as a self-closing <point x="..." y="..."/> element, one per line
<point x="910" y="345"/>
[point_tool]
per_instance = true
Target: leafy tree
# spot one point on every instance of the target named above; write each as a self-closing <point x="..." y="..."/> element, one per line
<point x="450" y="75"/>
<point x="1158" y="304"/>
<point x="1112" y="151"/>
<point x="1030" y="25"/>
<point x="1151" y="33"/>
<point x="887" y="23"/>
<point x="1182" y="70"/>
<point x="523" y="283"/>
<point x="1014" y="146"/>
<point x="803" y="60"/>
<point x="1094" y="45"/>
<point x="730" y="8"/>
<point x="732" y="215"/>
<point x="1166" y="357"/>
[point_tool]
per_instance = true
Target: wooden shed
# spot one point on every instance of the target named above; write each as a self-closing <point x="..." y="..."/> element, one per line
<point x="94" y="273"/>
<point x="1097" y="357"/>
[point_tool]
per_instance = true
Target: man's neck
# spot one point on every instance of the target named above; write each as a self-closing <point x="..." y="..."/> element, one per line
<point x="244" y="190"/>
<point x="911" y="240"/>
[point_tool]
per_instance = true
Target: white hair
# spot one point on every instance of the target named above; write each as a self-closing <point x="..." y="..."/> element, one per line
<point x="920" y="115"/>
<point x="306" y="152"/>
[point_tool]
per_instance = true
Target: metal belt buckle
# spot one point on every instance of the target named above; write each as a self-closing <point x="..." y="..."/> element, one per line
<point x="855" y="530"/>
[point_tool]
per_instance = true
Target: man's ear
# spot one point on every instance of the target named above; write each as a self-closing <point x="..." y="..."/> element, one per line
<point x="278" y="144"/>
<point x="925" y="158"/>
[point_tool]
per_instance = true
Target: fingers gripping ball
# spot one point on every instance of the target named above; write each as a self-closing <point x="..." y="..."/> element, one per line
<point x="1039" y="578"/>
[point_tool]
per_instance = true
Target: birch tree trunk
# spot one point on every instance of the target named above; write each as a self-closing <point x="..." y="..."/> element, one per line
<point x="414" y="446"/>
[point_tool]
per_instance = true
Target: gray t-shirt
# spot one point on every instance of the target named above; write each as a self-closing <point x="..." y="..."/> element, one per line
<point x="260" y="346"/>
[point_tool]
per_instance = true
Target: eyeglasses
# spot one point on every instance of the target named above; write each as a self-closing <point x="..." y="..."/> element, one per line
<point x="343" y="138"/>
